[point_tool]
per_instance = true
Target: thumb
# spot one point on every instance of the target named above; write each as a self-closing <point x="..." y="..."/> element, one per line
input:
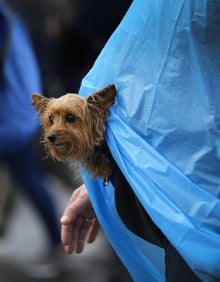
<point x="93" y="232"/>
<point x="65" y="219"/>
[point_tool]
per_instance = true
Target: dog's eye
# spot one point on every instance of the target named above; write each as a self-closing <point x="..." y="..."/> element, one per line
<point x="70" y="118"/>
<point x="51" y="119"/>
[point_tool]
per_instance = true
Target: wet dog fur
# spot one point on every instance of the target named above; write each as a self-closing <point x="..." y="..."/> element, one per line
<point x="74" y="127"/>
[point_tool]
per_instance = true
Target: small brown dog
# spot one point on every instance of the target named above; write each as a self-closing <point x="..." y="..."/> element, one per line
<point x="74" y="128"/>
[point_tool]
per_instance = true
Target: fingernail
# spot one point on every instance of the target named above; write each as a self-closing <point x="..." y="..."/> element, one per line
<point x="65" y="219"/>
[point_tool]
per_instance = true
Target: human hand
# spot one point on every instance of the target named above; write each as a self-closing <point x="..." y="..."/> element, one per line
<point x="78" y="223"/>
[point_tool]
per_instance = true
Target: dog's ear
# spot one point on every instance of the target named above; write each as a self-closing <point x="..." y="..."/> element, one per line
<point x="40" y="103"/>
<point x="103" y="98"/>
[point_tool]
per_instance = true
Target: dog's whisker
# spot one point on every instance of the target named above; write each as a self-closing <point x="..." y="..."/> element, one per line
<point x="46" y="156"/>
<point x="92" y="96"/>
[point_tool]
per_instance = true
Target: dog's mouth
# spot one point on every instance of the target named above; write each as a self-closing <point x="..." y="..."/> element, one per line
<point x="54" y="141"/>
<point x="58" y="144"/>
<point x="59" y="151"/>
<point x="61" y="146"/>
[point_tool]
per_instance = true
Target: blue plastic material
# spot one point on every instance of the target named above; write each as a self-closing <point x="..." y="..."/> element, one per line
<point x="164" y="131"/>
<point x="19" y="79"/>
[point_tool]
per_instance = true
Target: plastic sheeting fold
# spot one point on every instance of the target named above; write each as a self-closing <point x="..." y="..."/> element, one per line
<point x="164" y="131"/>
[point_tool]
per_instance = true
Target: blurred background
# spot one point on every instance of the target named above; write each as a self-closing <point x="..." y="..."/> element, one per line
<point x="66" y="36"/>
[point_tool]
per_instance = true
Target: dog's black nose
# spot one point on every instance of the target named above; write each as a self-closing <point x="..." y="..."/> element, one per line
<point x="52" y="138"/>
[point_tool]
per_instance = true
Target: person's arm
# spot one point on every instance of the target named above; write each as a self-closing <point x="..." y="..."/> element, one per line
<point x="78" y="223"/>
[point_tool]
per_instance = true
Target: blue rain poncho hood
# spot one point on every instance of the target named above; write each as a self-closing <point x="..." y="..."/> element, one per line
<point x="163" y="132"/>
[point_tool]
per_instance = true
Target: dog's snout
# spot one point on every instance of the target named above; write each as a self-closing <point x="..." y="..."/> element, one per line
<point x="52" y="138"/>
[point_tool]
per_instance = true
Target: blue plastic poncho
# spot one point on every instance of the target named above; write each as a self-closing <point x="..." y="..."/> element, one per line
<point x="19" y="78"/>
<point x="164" y="131"/>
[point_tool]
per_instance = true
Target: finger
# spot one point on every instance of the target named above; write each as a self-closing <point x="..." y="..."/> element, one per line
<point x="83" y="232"/>
<point x="66" y="234"/>
<point x="69" y="234"/>
<point x="70" y="213"/>
<point x="76" y="230"/>
<point x="69" y="248"/>
<point x="93" y="232"/>
<point x="78" y="202"/>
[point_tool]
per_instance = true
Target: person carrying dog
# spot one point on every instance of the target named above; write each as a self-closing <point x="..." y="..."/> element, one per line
<point x="163" y="133"/>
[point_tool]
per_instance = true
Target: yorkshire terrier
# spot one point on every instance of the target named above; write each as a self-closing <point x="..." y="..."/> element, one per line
<point x="74" y="128"/>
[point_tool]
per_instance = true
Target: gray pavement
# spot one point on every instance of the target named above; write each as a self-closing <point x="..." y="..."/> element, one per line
<point x="25" y="243"/>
